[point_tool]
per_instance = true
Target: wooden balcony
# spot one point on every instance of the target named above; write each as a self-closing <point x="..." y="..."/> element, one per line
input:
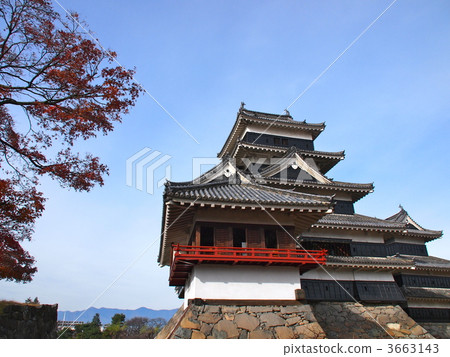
<point x="184" y="257"/>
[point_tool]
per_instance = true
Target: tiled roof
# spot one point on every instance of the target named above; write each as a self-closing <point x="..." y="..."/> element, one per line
<point x="426" y="293"/>
<point x="267" y="120"/>
<point x="377" y="261"/>
<point x="333" y="184"/>
<point x="282" y="118"/>
<point x="429" y="262"/>
<point x="358" y="220"/>
<point x="269" y="116"/>
<point x="338" y="155"/>
<point x="415" y="262"/>
<point x="411" y="226"/>
<point x="400" y="216"/>
<point x="227" y="191"/>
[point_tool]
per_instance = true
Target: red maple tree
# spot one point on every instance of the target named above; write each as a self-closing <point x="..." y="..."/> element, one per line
<point x="56" y="86"/>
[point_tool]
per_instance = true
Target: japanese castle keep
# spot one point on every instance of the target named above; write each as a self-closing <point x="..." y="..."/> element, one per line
<point x="265" y="245"/>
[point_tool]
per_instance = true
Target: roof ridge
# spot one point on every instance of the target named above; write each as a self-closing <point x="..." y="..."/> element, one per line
<point x="280" y="118"/>
<point x="286" y="191"/>
<point x="404" y="217"/>
<point x="298" y="150"/>
<point x="199" y="185"/>
<point x="235" y="180"/>
<point x="342" y="183"/>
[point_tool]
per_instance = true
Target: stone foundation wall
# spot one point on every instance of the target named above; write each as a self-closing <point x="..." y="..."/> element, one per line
<point x="246" y="322"/>
<point x="27" y="321"/>
<point x="353" y="320"/>
<point x="202" y="320"/>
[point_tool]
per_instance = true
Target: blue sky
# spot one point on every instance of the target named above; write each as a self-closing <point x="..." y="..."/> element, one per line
<point x="386" y="102"/>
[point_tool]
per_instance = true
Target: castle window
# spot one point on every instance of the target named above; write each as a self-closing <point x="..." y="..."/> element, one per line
<point x="284" y="142"/>
<point x="239" y="240"/>
<point x="207" y="236"/>
<point x="270" y="236"/>
<point x="276" y="141"/>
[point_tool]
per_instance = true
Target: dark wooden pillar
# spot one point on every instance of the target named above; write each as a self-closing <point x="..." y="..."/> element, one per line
<point x="254" y="238"/>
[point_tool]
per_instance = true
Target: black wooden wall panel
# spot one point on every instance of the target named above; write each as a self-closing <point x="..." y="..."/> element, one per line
<point x="406" y="248"/>
<point x="423" y="281"/>
<point x="327" y="290"/>
<point x="276" y="140"/>
<point x="373" y="291"/>
<point x="344" y="207"/>
<point x="368" y="249"/>
<point x="421" y="314"/>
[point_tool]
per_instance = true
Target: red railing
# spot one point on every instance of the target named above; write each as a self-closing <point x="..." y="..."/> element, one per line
<point x="264" y="255"/>
<point x="184" y="257"/>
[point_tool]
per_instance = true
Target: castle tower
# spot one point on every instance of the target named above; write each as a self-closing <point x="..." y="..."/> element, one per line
<point x="267" y="224"/>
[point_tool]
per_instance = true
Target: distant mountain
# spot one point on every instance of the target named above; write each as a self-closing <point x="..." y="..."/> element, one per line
<point x="106" y="314"/>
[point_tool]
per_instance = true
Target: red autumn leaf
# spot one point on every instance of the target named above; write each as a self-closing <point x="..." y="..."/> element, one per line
<point x="68" y="89"/>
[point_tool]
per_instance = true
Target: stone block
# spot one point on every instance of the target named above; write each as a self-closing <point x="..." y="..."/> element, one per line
<point x="304" y="332"/>
<point x="243" y="335"/>
<point x="183" y="333"/>
<point x="383" y="319"/>
<point x="257" y="309"/>
<point x="389" y="311"/>
<point x="315" y="328"/>
<point x="206" y="329"/>
<point x="229" y="317"/>
<point x="197" y="335"/>
<point x="283" y="332"/>
<point x="228" y="327"/>
<point x="310" y="317"/>
<point x="271" y="319"/>
<point x="187" y="323"/>
<point x="246" y="322"/>
<point x="218" y="334"/>
<point x="212" y="309"/>
<point x="260" y="334"/>
<point x="294" y="309"/>
<point x="293" y="320"/>
<point x="209" y="318"/>
<point x="393" y="326"/>
<point x="417" y="330"/>
<point x="229" y="309"/>
<point x="409" y="322"/>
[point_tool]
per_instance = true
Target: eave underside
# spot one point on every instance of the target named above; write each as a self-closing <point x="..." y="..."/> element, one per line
<point x="180" y="217"/>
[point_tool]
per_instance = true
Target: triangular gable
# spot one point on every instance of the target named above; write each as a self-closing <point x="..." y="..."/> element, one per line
<point x="294" y="160"/>
<point x="225" y="169"/>
<point x="403" y="217"/>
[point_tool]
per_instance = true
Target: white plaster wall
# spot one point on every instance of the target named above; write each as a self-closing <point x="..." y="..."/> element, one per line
<point x="344" y="196"/>
<point x="373" y="276"/>
<point x="321" y="274"/>
<point x="356" y="236"/>
<point x="411" y="240"/>
<point x="242" y="283"/>
<point x="277" y="131"/>
<point x="347" y="274"/>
